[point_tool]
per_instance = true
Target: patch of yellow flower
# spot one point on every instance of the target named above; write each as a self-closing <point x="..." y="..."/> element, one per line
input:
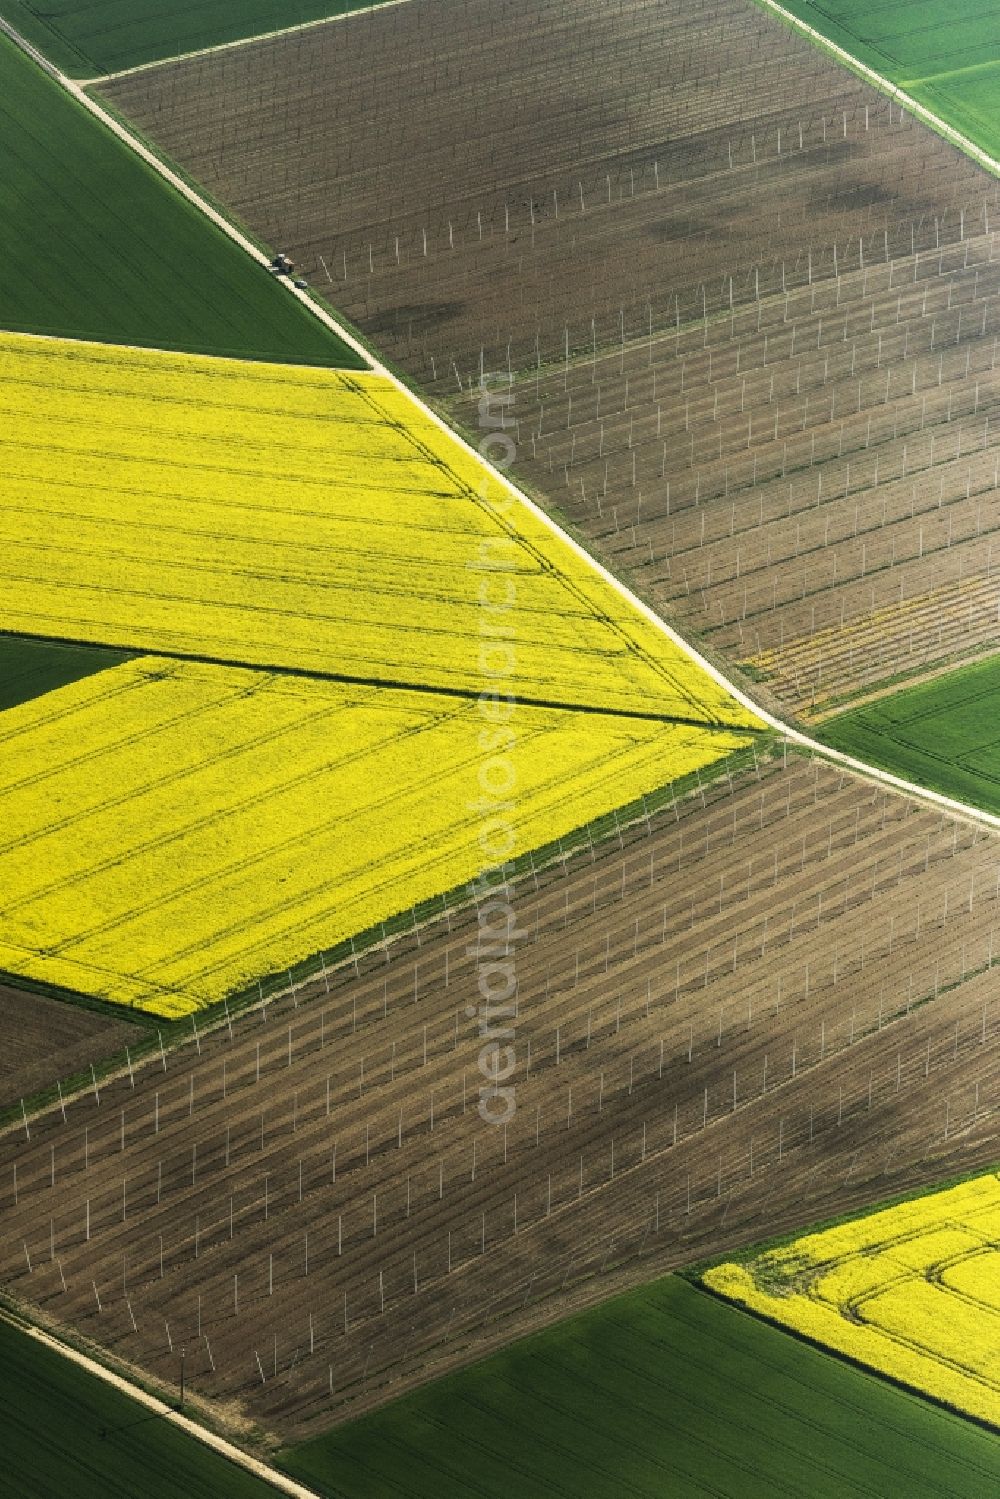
<point x="268" y="515"/>
<point x="171" y="831"/>
<point x="977" y="1277"/>
<point x="911" y="1291"/>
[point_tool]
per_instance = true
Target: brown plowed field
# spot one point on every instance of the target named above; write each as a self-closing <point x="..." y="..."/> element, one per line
<point x="46" y="1039"/>
<point x="751" y="304"/>
<point x="809" y="483"/>
<point x="726" y="978"/>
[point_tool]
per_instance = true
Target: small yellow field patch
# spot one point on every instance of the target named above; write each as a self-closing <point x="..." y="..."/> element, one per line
<point x="171" y="831"/>
<point x="977" y="1277"/>
<point x="911" y="1291"/>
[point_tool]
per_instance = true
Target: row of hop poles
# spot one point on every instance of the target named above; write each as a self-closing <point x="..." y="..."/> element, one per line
<point x="540" y="205"/>
<point x="400" y="1279"/>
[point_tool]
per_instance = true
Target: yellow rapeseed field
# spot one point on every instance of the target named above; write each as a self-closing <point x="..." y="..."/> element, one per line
<point x="277" y="516"/>
<point x="912" y="1291"/>
<point x="170" y="831"/>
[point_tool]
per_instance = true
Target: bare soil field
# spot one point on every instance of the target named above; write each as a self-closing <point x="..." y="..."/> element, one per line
<point x="45" y="1039"/>
<point x="764" y="1005"/>
<point x="748" y="305"/>
<point x="808" y="483"/>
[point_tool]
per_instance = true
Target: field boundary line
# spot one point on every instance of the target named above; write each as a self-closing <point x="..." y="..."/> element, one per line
<point x="254" y="1465"/>
<point x="111" y="343"/>
<point x="388" y="684"/>
<point x="375" y="365"/>
<point x="885" y="85"/>
<point x="242" y="41"/>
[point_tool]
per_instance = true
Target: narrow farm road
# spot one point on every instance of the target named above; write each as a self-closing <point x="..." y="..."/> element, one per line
<point x="260" y="36"/>
<point x="278" y="1481"/>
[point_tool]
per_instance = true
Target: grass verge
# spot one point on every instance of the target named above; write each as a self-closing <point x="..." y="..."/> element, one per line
<point x="67" y="1432"/>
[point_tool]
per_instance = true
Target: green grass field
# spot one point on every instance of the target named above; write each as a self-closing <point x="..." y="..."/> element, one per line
<point x="94" y="245"/>
<point x="29" y="668"/>
<point x="86" y="38"/>
<point x="663" y="1392"/>
<point x="944" y="734"/>
<point x="945" y="53"/>
<point x="67" y="1435"/>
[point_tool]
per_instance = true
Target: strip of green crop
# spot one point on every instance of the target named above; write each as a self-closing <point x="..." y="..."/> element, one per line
<point x="67" y="1433"/>
<point x="662" y="1391"/>
<point x="944" y="53"/>
<point x="943" y="734"/>
<point x="95" y="245"/>
<point x="85" y="38"/>
<point x="29" y="668"/>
